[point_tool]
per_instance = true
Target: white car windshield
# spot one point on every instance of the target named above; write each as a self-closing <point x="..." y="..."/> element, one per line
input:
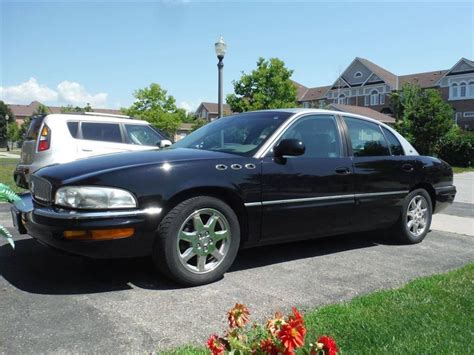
<point x="240" y="134"/>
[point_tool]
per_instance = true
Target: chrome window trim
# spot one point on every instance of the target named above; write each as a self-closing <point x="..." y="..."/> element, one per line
<point x="65" y="214"/>
<point x="324" y="198"/>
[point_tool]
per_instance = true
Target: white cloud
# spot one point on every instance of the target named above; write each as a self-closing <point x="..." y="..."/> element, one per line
<point x="75" y="94"/>
<point x="66" y="93"/>
<point x="26" y="92"/>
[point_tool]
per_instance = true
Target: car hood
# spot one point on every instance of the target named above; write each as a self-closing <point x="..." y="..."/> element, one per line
<point x="111" y="162"/>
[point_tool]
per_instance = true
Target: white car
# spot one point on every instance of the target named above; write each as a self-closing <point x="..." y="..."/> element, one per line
<point x="62" y="138"/>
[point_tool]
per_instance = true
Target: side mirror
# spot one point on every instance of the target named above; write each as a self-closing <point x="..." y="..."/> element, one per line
<point x="289" y="147"/>
<point x="165" y="143"/>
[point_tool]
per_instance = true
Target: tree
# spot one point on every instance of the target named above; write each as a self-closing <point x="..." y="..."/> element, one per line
<point x="4" y="111"/>
<point x="423" y="117"/>
<point x="269" y="86"/>
<point x="71" y="108"/>
<point x="153" y="104"/>
<point x="198" y="123"/>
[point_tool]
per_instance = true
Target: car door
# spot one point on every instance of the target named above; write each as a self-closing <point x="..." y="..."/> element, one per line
<point x="308" y="195"/>
<point x="382" y="174"/>
<point x="97" y="138"/>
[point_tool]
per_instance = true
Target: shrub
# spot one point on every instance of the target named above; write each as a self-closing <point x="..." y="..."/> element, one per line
<point x="458" y="149"/>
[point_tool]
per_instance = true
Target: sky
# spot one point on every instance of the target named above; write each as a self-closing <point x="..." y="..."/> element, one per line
<point x="100" y="52"/>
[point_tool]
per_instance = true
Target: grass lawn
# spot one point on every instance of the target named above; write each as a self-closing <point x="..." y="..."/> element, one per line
<point x="458" y="170"/>
<point x="432" y="315"/>
<point x="7" y="166"/>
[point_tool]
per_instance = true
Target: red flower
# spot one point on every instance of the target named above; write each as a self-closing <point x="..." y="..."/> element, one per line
<point x="292" y="334"/>
<point x="215" y="345"/>
<point x="274" y="325"/>
<point x="238" y="316"/>
<point x="329" y="345"/>
<point x="267" y="346"/>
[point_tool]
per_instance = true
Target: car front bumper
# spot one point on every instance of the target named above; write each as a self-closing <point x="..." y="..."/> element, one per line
<point x="47" y="225"/>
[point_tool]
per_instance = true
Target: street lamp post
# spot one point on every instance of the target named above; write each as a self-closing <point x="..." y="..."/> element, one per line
<point x="221" y="49"/>
<point x="7" y="118"/>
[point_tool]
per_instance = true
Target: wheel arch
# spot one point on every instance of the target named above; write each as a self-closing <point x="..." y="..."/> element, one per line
<point x="222" y="193"/>
<point x="431" y="192"/>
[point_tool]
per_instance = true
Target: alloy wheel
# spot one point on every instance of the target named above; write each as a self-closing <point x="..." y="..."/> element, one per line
<point x="203" y="240"/>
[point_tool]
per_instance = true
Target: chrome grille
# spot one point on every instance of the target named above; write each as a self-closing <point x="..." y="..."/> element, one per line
<point x="40" y="190"/>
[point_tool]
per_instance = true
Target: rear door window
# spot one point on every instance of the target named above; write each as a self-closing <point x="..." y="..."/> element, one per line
<point x="366" y="138"/>
<point x="105" y="132"/>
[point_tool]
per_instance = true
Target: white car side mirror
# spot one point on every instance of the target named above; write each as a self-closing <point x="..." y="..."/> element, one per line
<point x="165" y="143"/>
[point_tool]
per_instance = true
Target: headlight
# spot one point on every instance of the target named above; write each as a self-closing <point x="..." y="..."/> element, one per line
<point x="94" y="197"/>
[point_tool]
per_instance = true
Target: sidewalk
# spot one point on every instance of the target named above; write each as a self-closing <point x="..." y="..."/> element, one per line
<point x="459" y="218"/>
<point x="9" y="155"/>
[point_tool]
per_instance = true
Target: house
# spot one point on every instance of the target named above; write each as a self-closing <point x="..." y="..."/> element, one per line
<point x="22" y="112"/>
<point x="209" y="111"/>
<point x="183" y="131"/>
<point x="365" y="84"/>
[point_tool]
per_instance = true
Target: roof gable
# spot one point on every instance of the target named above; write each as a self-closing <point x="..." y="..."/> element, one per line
<point x="360" y="70"/>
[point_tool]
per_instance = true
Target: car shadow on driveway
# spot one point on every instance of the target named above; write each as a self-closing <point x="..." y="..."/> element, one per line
<point x="34" y="268"/>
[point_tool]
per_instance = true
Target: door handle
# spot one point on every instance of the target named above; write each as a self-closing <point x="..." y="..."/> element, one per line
<point x="407" y="167"/>
<point x="343" y="171"/>
<point x="86" y="150"/>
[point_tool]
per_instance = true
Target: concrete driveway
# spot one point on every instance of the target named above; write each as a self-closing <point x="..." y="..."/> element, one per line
<point x="52" y="302"/>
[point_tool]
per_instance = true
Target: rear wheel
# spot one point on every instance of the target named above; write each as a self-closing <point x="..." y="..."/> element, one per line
<point x="415" y="221"/>
<point x="197" y="241"/>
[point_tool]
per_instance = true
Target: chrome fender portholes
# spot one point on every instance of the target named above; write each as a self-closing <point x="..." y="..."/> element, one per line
<point x="249" y="166"/>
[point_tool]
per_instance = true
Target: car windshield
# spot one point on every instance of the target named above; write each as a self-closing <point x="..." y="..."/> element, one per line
<point x="240" y="134"/>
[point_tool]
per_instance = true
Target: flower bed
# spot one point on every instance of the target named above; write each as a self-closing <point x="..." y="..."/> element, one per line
<point x="279" y="335"/>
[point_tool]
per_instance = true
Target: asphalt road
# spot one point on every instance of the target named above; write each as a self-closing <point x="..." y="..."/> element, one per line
<point x="52" y="302"/>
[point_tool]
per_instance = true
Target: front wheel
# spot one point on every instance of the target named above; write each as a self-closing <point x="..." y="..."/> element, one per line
<point x="197" y="241"/>
<point x="415" y="220"/>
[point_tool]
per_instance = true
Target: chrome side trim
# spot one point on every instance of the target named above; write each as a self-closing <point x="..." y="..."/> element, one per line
<point x="324" y="198"/>
<point x="374" y="194"/>
<point x="252" y="204"/>
<point x="64" y="214"/>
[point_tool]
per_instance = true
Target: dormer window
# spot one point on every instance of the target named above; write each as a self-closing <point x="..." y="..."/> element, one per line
<point x="357" y="74"/>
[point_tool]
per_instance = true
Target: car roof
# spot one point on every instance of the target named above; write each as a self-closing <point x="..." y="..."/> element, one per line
<point x="323" y="111"/>
<point x="96" y="118"/>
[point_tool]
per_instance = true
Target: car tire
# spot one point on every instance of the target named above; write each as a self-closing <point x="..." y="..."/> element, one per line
<point x="197" y="241"/>
<point x="415" y="220"/>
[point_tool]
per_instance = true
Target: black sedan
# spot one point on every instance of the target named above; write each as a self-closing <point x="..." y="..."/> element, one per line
<point x="251" y="179"/>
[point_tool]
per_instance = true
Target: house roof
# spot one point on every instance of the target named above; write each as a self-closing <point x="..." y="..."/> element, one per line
<point x="29" y="110"/>
<point x="300" y="90"/>
<point x="425" y="80"/>
<point x="384" y="74"/>
<point x="363" y="111"/>
<point x="186" y="127"/>
<point x="212" y="107"/>
<point x="315" y="93"/>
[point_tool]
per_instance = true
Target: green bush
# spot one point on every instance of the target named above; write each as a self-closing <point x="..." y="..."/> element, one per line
<point x="458" y="149"/>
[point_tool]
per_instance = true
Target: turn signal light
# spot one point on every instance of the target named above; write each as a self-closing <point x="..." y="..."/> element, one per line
<point x="44" y="139"/>
<point x="99" y="234"/>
